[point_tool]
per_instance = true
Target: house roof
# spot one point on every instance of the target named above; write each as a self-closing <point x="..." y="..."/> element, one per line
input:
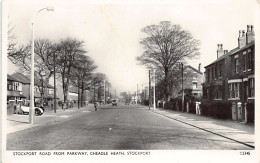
<point x="231" y="52"/>
<point x="239" y="49"/>
<point x="9" y="77"/>
<point x="26" y="80"/>
<point x="22" y="78"/>
<point x="222" y="57"/>
<point x="194" y="69"/>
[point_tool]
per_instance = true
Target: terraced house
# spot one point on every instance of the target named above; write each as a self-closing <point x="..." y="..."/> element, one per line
<point x="231" y="77"/>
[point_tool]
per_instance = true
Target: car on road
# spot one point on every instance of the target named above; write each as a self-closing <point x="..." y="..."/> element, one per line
<point x="114" y="102"/>
<point x="25" y="110"/>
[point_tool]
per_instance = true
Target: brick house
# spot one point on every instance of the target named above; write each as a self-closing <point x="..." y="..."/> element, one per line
<point x="216" y="74"/>
<point x="194" y="80"/>
<point x="48" y="89"/>
<point x="241" y="82"/>
<point x="231" y="76"/>
<point x="14" y="89"/>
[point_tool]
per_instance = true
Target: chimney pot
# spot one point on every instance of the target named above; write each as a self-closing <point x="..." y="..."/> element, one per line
<point x="221" y="46"/>
<point x="252" y="28"/>
<point x="240" y="32"/>
<point x="248" y="28"/>
<point x="243" y="33"/>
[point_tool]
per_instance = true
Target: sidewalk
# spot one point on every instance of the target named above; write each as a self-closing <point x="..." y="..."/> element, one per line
<point x="17" y="122"/>
<point x="241" y="132"/>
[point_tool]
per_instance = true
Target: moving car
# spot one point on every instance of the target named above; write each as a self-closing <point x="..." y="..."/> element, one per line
<point x="25" y="110"/>
<point x="114" y="102"/>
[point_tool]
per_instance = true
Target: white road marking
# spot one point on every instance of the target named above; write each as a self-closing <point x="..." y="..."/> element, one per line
<point x="64" y="116"/>
<point x="110" y="129"/>
<point x="116" y="118"/>
<point x="86" y="111"/>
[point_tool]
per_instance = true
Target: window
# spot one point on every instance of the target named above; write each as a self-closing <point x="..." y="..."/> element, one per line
<point x="207" y="93"/>
<point x="195" y="85"/>
<point x="236" y="65"/>
<point x="234" y="90"/>
<point x="9" y="86"/>
<point x="51" y="91"/>
<point x="244" y="62"/>
<point x="208" y="76"/>
<point x="218" y="92"/>
<point x="250" y="63"/>
<point x="213" y="75"/>
<point x="251" y="91"/>
<point x="220" y="70"/>
<point x="216" y="71"/>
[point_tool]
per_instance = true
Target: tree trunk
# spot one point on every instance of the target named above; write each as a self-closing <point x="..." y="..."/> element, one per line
<point x="78" y="93"/>
<point x="82" y="92"/>
<point x="166" y="92"/>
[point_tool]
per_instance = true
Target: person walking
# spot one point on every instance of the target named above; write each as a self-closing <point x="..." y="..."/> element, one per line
<point x="95" y="104"/>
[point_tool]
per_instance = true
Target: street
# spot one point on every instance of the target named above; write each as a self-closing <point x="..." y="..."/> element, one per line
<point x="117" y="128"/>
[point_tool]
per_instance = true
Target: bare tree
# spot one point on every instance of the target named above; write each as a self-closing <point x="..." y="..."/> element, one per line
<point x="69" y="51"/>
<point x="44" y="50"/>
<point x="167" y="44"/>
<point x="81" y="75"/>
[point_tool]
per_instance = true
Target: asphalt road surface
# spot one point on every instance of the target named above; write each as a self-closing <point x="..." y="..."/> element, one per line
<point x="115" y="128"/>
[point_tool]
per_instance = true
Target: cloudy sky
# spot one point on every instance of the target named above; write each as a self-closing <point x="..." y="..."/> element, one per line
<point x="112" y="30"/>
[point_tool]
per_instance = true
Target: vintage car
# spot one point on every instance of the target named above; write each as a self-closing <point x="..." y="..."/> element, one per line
<point x="25" y="110"/>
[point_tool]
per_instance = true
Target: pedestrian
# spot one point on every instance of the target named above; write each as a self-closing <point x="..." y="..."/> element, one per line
<point x="95" y="104"/>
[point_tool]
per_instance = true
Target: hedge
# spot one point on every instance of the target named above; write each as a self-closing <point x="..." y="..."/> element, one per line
<point x="217" y="109"/>
<point x="251" y="112"/>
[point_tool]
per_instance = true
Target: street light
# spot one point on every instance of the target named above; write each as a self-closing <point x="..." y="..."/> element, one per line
<point x="31" y="111"/>
<point x="154" y="105"/>
<point x="104" y="91"/>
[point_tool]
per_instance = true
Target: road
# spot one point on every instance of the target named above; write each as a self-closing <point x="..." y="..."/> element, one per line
<point x="118" y="128"/>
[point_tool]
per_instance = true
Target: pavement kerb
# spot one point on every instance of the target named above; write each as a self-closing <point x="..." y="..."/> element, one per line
<point x="157" y="111"/>
<point x="20" y="125"/>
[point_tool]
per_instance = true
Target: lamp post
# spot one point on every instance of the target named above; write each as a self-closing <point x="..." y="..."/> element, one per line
<point x="182" y="101"/>
<point x="154" y="105"/>
<point x="104" y="92"/>
<point x="31" y="110"/>
<point x="54" y="76"/>
<point x="149" y="89"/>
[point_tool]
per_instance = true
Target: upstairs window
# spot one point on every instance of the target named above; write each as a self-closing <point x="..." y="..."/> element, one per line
<point x="9" y="86"/>
<point x="220" y="70"/>
<point x="236" y="65"/>
<point x="251" y="91"/>
<point x="244" y="61"/>
<point x="250" y="60"/>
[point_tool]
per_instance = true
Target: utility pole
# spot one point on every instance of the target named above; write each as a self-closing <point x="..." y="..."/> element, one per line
<point x="182" y="105"/>
<point x="149" y="89"/>
<point x="154" y="105"/>
<point x="54" y="76"/>
<point x="104" y="91"/>
<point x="136" y="93"/>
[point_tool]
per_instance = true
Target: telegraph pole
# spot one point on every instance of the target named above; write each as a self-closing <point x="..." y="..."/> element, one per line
<point x="154" y="105"/>
<point x="149" y="89"/>
<point x="182" y="105"/>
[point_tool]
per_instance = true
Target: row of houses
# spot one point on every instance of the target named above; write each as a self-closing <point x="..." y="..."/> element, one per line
<point x="231" y="77"/>
<point x="18" y="91"/>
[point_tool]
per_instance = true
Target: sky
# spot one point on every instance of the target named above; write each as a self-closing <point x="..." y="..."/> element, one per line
<point x="112" y="30"/>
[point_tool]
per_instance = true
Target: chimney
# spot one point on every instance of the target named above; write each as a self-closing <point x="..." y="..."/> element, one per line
<point x="250" y="34"/>
<point x="225" y="52"/>
<point x="220" y="51"/>
<point x="241" y="39"/>
<point x="199" y="67"/>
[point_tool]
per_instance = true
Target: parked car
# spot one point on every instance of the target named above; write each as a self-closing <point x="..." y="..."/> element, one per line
<point x="25" y="110"/>
<point x="114" y="102"/>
